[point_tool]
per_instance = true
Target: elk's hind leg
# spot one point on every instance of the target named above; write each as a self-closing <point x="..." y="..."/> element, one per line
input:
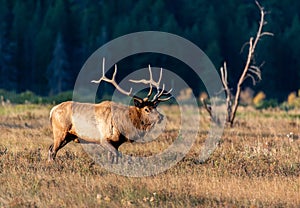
<point x="50" y="154"/>
<point x="60" y="140"/>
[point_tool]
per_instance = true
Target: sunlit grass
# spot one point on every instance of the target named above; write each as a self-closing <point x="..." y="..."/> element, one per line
<point x="14" y="109"/>
<point x="256" y="165"/>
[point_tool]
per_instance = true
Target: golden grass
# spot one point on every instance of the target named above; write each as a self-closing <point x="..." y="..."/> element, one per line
<point x="256" y="165"/>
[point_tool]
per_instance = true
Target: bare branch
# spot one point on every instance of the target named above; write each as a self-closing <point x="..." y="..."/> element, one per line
<point x="224" y="75"/>
<point x="252" y="78"/>
<point x="244" y="46"/>
<point x="261" y="24"/>
<point x="266" y="33"/>
<point x="227" y="90"/>
<point x="256" y="73"/>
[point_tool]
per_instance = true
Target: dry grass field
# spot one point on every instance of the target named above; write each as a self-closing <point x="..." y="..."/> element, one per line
<point x="255" y="165"/>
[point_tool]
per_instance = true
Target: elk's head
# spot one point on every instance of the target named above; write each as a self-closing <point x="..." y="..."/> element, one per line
<point x="148" y="114"/>
<point x="146" y="107"/>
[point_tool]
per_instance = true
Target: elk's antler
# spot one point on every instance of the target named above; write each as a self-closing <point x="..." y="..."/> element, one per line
<point x="151" y="82"/>
<point x="160" y="91"/>
<point x="112" y="80"/>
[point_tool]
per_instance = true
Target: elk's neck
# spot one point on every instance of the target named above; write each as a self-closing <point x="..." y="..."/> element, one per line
<point x="135" y="117"/>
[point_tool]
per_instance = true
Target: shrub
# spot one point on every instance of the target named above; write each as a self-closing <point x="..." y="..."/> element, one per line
<point x="185" y="96"/>
<point x="61" y="97"/>
<point x="30" y="97"/>
<point x="258" y="99"/>
<point x="293" y="101"/>
<point x="291" y="98"/>
<point x="264" y="104"/>
<point x="24" y="97"/>
<point x="246" y="96"/>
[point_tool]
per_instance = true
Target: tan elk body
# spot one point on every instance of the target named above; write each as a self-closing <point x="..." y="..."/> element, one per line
<point x="108" y="123"/>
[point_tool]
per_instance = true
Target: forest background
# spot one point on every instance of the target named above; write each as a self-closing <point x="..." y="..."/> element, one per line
<point x="44" y="44"/>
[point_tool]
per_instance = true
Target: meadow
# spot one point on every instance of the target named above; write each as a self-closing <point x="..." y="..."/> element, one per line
<point x="257" y="164"/>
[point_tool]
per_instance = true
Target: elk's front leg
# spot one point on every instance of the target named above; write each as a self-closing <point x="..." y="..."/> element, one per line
<point x="113" y="153"/>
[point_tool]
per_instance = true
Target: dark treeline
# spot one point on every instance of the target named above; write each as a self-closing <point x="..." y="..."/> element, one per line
<point x="43" y="44"/>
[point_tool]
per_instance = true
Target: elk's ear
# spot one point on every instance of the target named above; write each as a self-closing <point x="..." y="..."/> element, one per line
<point x="138" y="102"/>
<point x="155" y="103"/>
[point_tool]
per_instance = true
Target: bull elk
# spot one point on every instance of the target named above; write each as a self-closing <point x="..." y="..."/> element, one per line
<point x="108" y="123"/>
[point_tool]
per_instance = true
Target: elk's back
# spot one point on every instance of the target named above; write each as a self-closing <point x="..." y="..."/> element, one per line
<point x="90" y="122"/>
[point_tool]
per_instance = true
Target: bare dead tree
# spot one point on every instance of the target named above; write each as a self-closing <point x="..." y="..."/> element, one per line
<point x="250" y="70"/>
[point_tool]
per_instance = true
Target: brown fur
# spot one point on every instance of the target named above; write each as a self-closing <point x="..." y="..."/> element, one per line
<point x="107" y="123"/>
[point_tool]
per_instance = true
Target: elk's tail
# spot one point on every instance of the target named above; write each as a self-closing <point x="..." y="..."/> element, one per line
<point x="50" y="115"/>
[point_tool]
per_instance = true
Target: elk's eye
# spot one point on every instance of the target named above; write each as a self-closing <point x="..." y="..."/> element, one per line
<point x="147" y="110"/>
